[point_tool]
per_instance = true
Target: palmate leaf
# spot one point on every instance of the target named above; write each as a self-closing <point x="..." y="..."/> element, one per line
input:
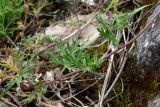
<point x="25" y="70"/>
<point x="56" y="59"/>
<point x="103" y="23"/>
<point x="120" y="21"/>
<point x="108" y="34"/>
<point x="73" y="58"/>
<point x="105" y="30"/>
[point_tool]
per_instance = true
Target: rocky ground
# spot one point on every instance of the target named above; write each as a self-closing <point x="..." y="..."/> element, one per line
<point x="80" y="53"/>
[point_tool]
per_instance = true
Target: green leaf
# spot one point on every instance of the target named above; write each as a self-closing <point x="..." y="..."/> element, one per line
<point x="108" y="35"/>
<point x="73" y="58"/>
<point x="28" y="99"/>
<point x="9" y="85"/>
<point x="136" y="11"/>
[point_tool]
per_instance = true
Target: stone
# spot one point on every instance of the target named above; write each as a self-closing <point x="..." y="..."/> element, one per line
<point x="89" y="2"/>
<point x="62" y="30"/>
<point x="155" y="101"/>
<point x="56" y="30"/>
<point x="148" y="45"/>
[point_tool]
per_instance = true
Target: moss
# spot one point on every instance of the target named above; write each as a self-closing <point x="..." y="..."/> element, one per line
<point x="143" y="3"/>
<point x="91" y="92"/>
<point x="140" y="85"/>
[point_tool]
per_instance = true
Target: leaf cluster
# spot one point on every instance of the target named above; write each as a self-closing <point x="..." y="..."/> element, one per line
<point x="73" y="58"/>
<point x="120" y="22"/>
<point x="19" y="67"/>
<point x="10" y="13"/>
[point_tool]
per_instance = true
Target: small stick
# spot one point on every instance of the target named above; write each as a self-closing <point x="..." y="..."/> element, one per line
<point x="14" y="98"/>
<point x="106" y="81"/>
<point x="8" y="103"/>
<point x="106" y="55"/>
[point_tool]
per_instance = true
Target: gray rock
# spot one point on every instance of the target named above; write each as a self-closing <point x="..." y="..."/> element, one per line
<point x="148" y="45"/>
<point x="155" y="101"/>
